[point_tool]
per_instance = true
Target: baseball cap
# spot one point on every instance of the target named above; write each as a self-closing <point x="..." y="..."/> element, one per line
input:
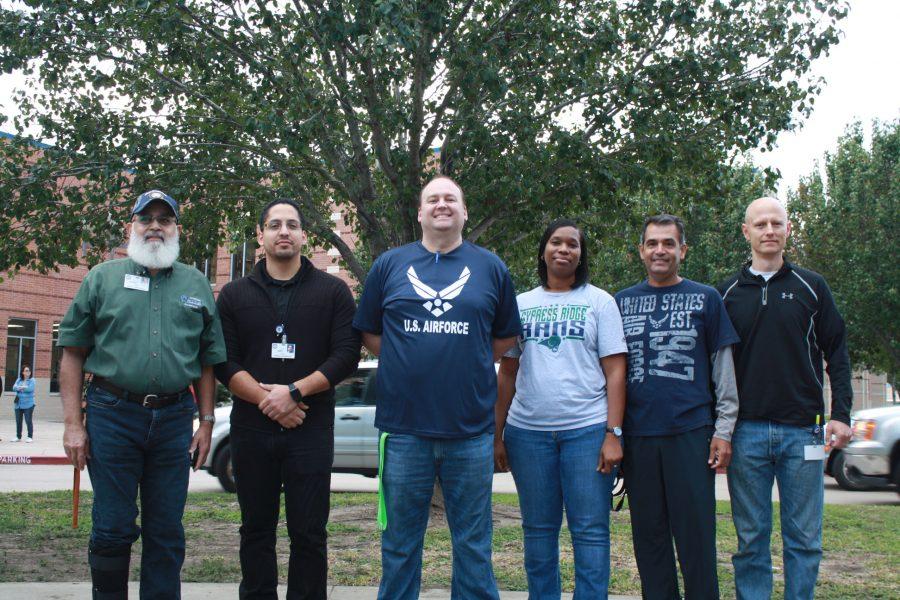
<point x="152" y="196"/>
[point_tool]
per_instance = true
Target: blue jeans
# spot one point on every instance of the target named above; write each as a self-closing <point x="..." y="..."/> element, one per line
<point x="135" y="448"/>
<point x="27" y="414"/>
<point x="764" y="451"/>
<point x="465" y="468"/>
<point x="553" y="469"/>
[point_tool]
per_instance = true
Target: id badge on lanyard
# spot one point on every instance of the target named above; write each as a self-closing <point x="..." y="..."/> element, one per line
<point x="283" y="349"/>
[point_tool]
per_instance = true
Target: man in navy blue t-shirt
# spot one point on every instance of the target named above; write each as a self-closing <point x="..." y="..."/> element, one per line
<point x="679" y="341"/>
<point x="438" y="313"/>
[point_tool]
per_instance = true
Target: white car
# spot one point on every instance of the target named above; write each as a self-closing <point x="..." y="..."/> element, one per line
<point x="872" y="460"/>
<point x="355" y="436"/>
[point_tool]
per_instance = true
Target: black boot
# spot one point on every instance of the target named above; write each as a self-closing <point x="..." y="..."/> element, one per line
<point x="109" y="571"/>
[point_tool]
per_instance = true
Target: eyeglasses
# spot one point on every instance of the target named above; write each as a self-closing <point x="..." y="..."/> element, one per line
<point x="163" y="220"/>
<point x="276" y="225"/>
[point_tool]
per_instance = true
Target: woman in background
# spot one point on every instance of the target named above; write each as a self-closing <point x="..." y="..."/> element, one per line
<point x="24" y="403"/>
<point x="560" y="405"/>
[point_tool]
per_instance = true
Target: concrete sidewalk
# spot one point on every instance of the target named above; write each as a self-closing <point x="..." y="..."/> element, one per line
<point x="217" y="591"/>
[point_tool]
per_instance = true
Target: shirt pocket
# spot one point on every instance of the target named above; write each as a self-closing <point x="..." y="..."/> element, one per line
<point x="186" y="326"/>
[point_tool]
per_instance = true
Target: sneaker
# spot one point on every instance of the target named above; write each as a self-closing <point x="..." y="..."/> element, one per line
<point x="28" y="440"/>
<point x="16" y="440"/>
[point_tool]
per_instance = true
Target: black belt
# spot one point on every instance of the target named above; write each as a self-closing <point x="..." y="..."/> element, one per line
<point x="145" y="400"/>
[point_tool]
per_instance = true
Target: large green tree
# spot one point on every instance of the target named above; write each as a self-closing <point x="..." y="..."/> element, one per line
<point x="535" y="105"/>
<point x="845" y="227"/>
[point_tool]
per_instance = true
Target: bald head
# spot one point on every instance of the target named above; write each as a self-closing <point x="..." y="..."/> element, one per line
<point x="764" y="204"/>
<point x="767" y="228"/>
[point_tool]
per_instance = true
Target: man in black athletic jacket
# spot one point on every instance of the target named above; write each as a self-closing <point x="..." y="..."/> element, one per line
<point x="787" y="321"/>
<point x="289" y="336"/>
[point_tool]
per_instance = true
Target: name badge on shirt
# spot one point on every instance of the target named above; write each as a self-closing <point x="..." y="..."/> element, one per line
<point x="137" y="282"/>
<point x="283" y="350"/>
<point x="814" y="452"/>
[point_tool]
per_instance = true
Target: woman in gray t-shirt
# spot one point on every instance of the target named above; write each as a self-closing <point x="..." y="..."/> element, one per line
<point x="561" y="399"/>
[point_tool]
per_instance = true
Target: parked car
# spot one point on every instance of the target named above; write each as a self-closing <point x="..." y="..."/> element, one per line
<point x="355" y="436"/>
<point x="872" y="459"/>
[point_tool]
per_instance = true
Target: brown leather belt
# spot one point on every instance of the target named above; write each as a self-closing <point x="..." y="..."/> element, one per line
<point x="145" y="400"/>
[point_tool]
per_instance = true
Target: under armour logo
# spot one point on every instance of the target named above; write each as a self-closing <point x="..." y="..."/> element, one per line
<point x="786" y="296"/>
<point x="437" y="301"/>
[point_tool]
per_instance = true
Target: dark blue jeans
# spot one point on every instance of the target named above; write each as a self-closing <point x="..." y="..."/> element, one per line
<point x="27" y="414"/>
<point x="265" y="462"/>
<point x="140" y="449"/>
<point x="465" y="468"/>
<point x="553" y="469"/>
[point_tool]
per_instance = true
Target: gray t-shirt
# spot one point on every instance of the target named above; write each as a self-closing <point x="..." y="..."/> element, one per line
<point x="560" y="384"/>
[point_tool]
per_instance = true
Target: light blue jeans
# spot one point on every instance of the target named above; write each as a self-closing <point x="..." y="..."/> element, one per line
<point x="552" y="470"/>
<point x="465" y="468"/>
<point x="764" y="451"/>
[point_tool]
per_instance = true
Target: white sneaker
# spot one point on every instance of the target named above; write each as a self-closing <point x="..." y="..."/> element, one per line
<point x="16" y="440"/>
<point x="28" y="440"/>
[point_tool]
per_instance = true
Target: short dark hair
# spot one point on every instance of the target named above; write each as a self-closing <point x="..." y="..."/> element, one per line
<point x="265" y="211"/>
<point x="665" y="219"/>
<point x="462" y="195"/>
<point x="581" y="271"/>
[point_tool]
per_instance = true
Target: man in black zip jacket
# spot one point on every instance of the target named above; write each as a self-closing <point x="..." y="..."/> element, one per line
<point x="289" y="337"/>
<point x="787" y="321"/>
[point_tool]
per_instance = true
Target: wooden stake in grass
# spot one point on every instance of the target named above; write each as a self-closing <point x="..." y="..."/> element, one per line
<point x="76" y="489"/>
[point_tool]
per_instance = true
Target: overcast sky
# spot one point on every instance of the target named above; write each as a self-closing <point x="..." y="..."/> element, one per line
<point x="860" y="84"/>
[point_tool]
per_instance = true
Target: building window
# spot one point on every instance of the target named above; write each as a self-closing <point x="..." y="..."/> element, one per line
<point x="20" y="337"/>
<point x="55" y="357"/>
<point x="243" y="260"/>
<point x="207" y="266"/>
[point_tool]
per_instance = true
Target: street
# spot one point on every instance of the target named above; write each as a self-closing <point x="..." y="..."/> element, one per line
<point x="48" y="442"/>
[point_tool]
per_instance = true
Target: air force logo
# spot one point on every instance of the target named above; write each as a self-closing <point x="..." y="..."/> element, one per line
<point x="437" y="301"/>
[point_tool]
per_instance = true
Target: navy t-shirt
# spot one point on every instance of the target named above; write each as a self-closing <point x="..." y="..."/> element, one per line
<point x="437" y="315"/>
<point x="671" y="333"/>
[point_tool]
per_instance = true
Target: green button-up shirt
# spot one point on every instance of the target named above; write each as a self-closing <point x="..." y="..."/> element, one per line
<point x="148" y="341"/>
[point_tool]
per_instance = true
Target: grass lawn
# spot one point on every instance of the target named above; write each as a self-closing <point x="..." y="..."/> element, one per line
<point x="37" y="543"/>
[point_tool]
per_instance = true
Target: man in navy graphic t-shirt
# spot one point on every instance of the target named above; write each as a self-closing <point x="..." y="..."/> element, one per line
<point x="679" y="346"/>
<point x="438" y="313"/>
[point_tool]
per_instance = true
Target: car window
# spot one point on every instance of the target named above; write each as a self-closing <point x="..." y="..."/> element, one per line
<point x="352" y="391"/>
<point x="370" y="392"/>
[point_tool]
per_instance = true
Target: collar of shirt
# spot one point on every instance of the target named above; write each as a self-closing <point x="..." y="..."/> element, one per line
<point x="278" y="282"/>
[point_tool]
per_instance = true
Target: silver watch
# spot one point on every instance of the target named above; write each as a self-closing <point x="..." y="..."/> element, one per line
<point x="208" y="418"/>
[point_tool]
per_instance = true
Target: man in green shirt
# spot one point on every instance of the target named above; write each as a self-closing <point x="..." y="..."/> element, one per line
<point x="147" y="328"/>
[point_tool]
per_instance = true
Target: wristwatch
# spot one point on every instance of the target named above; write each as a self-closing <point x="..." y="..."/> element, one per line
<point x="616" y="431"/>
<point x="208" y="418"/>
<point x="295" y="392"/>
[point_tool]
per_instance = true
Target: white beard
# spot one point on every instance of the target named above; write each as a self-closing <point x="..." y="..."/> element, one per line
<point x="153" y="255"/>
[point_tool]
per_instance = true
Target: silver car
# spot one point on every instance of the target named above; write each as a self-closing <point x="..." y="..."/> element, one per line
<point x="355" y="436"/>
<point x="872" y="459"/>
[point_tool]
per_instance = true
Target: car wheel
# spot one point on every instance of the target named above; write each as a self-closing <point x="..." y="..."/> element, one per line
<point x="224" y="470"/>
<point x="847" y="477"/>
